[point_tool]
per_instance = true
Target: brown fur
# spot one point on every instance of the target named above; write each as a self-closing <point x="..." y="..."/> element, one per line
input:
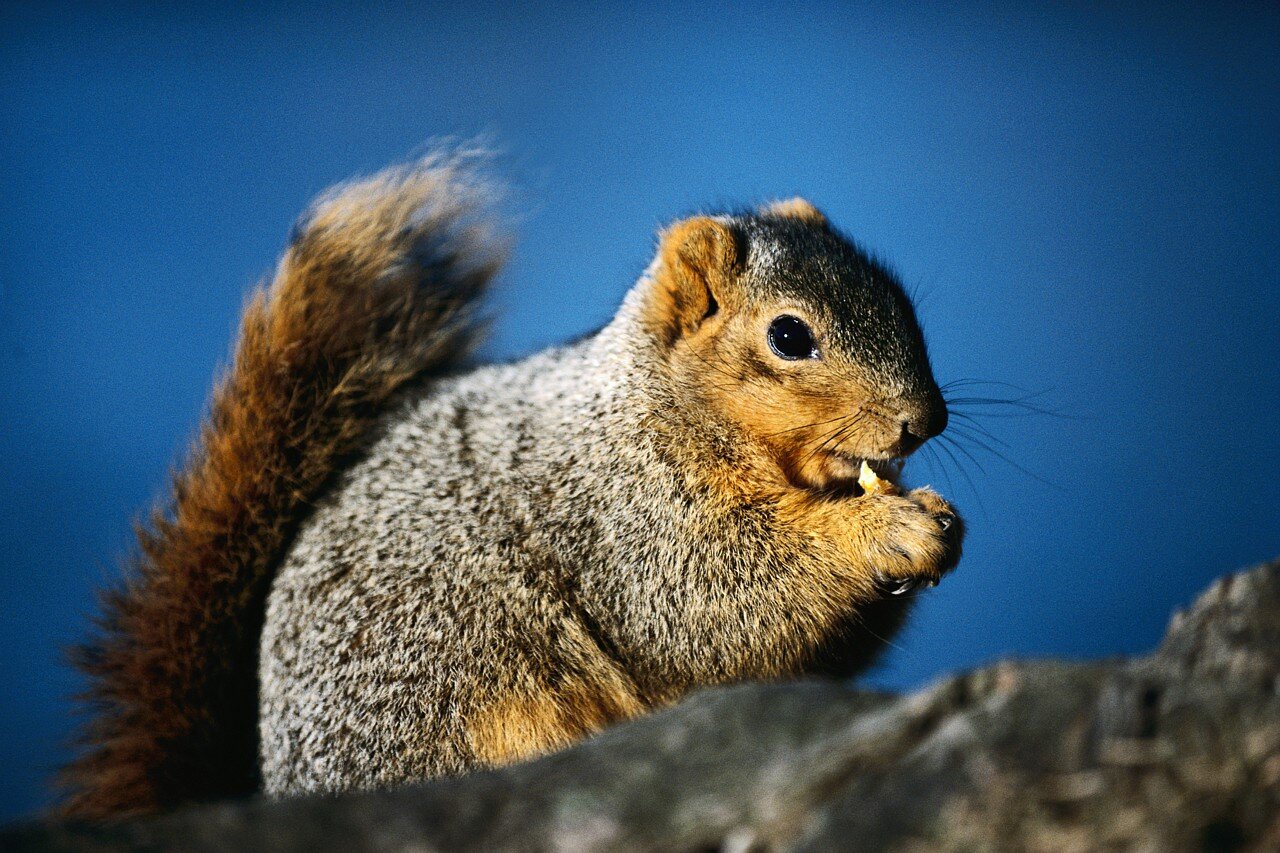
<point x="519" y="727"/>
<point x="717" y="351"/>
<point x="698" y="258"/>
<point x="376" y="292"/>
<point x="800" y="427"/>
<point x="541" y="707"/>
<point x="795" y="208"/>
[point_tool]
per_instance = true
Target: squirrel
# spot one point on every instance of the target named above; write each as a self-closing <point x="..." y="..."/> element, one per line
<point x="383" y="563"/>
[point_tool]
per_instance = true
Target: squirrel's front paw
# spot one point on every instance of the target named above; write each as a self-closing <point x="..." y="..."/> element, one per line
<point x="911" y="540"/>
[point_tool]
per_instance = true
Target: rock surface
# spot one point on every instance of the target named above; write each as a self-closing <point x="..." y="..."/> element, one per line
<point x="1179" y="750"/>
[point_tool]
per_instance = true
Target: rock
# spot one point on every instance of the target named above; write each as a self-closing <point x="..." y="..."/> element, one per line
<point x="1179" y="750"/>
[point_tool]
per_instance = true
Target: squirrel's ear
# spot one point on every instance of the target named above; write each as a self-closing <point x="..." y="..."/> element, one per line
<point x="698" y="259"/>
<point x="794" y="208"/>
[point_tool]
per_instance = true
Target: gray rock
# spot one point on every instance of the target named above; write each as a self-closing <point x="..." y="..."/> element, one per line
<point x="1179" y="750"/>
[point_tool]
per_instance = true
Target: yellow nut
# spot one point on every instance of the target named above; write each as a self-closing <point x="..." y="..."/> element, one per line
<point x="873" y="484"/>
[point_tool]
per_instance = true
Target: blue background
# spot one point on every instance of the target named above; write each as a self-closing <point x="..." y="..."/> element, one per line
<point x="1087" y="199"/>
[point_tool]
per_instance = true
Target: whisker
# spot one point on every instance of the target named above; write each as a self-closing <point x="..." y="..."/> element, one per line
<point x="805" y="426"/>
<point x="890" y="643"/>
<point x="996" y="383"/>
<point x="700" y="357"/>
<point x="1021" y="404"/>
<point x="824" y="435"/>
<point x="958" y="446"/>
<point x="937" y="463"/>
<point x="973" y="423"/>
<point x="942" y="445"/>
<point x="838" y="434"/>
<point x="1004" y="401"/>
<point x="840" y="438"/>
<point x="1033" y="475"/>
<point x="832" y="435"/>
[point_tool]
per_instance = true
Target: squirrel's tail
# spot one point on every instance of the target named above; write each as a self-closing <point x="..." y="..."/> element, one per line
<point x="378" y="288"/>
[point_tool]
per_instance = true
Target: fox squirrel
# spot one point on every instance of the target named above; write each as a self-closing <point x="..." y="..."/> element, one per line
<point x="380" y="565"/>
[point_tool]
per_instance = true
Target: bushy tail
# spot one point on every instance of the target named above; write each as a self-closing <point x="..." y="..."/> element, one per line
<point x="378" y="288"/>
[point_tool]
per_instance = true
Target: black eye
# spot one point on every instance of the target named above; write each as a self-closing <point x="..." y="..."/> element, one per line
<point x="791" y="339"/>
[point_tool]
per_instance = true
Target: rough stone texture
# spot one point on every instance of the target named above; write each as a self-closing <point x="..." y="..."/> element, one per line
<point x="1179" y="750"/>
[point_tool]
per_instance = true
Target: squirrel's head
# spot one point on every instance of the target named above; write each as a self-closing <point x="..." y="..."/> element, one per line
<point x="774" y="322"/>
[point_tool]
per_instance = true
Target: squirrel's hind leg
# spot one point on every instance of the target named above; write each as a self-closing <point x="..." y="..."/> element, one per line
<point x="581" y="693"/>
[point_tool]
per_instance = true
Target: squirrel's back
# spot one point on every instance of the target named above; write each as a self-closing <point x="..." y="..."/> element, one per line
<point x="378" y="289"/>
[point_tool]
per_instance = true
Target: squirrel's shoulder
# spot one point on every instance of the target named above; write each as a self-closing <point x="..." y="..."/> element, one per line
<point x="452" y="445"/>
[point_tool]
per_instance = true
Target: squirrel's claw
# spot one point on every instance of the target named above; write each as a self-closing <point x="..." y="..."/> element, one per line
<point x="904" y="587"/>
<point x="901" y="586"/>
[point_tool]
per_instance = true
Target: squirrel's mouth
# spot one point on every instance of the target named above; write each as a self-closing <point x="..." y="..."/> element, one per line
<point x="850" y="469"/>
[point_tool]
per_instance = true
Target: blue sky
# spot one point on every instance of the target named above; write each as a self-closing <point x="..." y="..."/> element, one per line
<point x="1087" y="200"/>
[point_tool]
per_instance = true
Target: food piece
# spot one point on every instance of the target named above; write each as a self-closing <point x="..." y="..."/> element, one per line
<point x="873" y="484"/>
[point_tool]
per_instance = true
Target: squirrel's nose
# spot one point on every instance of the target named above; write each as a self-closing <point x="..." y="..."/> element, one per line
<point x="929" y="423"/>
<point x="920" y="423"/>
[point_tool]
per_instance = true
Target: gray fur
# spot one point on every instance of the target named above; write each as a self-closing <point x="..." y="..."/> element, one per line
<point x="396" y="611"/>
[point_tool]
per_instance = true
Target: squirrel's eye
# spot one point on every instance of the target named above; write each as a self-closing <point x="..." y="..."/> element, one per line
<point x="791" y="339"/>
